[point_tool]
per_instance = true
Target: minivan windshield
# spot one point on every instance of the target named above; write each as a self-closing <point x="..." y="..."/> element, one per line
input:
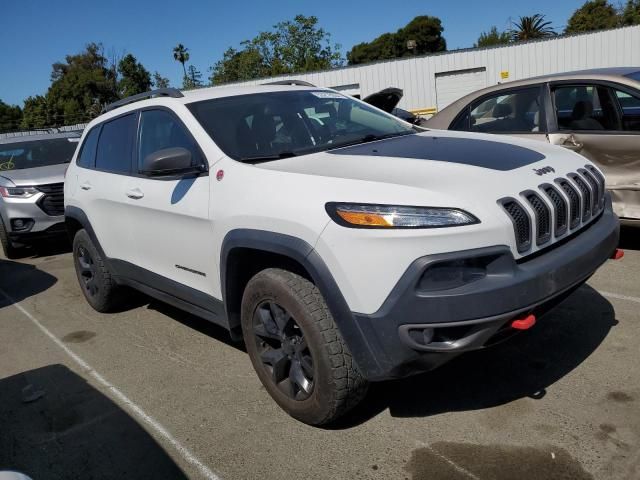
<point x="36" y="153"/>
<point x="274" y="125"/>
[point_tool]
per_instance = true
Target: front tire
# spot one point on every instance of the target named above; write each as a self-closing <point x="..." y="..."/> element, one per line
<point x="297" y="350"/>
<point x="94" y="276"/>
<point x="10" y="251"/>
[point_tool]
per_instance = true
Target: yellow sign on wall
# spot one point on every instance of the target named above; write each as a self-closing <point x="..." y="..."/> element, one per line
<point x="504" y="74"/>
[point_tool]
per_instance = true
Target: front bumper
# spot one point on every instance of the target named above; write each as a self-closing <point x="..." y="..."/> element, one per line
<point x="421" y="326"/>
<point x="56" y="230"/>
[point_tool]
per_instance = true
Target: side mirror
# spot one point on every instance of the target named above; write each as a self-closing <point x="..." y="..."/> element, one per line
<point x="167" y="161"/>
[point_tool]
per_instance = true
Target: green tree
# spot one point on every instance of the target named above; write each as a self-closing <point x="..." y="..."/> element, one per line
<point x="193" y="79"/>
<point x="10" y="117"/>
<point x="36" y="113"/>
<point x="630" y="15"/>
<point x="530" y="28"/>
<point x="159" y="81"/>
<point x="424" y="32"/>
<point x="181" y="54"/>
<point x="492" y="38"/>
<point x="134" y="78"/>
<point x="593" y="15"/>
<point x="293" y="46"/>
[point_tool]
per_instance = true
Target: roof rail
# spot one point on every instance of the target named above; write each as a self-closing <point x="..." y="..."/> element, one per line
<point x="300" y="83"/>
<point x="161" y="92"/>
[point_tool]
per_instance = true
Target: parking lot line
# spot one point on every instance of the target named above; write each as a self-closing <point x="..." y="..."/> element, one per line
<point x="620" y="297"/>
<point x="117" y="393"/>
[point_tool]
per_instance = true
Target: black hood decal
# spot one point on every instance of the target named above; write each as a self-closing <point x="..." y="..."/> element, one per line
<point x="468" y="151"/>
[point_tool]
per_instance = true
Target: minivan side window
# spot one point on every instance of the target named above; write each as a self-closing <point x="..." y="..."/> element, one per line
<point x="87" y="156"/>
<point x="115" y="145"/>
<point x="508" y="112"/>
<point x="159" y="130"/>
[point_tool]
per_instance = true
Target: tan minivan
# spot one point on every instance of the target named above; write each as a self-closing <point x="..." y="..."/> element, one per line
<point x="593" y="112"/>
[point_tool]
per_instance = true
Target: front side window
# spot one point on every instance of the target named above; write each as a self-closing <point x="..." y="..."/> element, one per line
<point x="160" y="130"/>
<point x="87" y="155"/>
<point x="585" y="107"/>
<point x="36" y="153"/>
<point x="268" y="126"/>
<point x="115" y="145"/>
<point x="630" y="108"/>
<point x="512" y="112"/>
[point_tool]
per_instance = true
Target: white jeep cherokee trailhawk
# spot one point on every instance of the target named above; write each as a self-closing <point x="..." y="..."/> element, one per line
<point x="341" y="243"/>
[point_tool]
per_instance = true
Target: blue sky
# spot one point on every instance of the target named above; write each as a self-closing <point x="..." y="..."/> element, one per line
<point x="37" y="33"/>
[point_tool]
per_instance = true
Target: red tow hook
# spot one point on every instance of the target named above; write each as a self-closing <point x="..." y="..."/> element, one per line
<point x="524" y="323"/>
<point x="617" y="254"/>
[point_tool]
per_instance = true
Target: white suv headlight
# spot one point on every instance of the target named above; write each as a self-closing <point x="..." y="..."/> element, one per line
<point x="355" y="215"/>
<point x="17" y="192"/>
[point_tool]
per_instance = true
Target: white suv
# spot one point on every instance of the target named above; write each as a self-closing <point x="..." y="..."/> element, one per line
<point x="344" y="245"/>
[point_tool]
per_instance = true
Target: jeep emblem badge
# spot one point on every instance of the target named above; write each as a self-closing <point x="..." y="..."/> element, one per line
<point x="543" y="170"/>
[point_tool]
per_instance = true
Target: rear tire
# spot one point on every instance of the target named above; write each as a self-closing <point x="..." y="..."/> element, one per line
<point x="297" y="350"/>
<point x="94" y="277"/>
<point x="10" y="251"/>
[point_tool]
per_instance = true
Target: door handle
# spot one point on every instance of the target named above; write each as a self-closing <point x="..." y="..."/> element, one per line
<point x="85" y="186"/>
<point x="135" y="193"/>
<point x="571" y="143"/>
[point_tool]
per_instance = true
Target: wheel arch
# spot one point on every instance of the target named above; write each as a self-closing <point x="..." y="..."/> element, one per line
<point x="245" y="252"/>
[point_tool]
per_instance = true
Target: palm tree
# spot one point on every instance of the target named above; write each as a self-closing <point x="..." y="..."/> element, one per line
<point x="532" y="27"/>
<point x="181" y="54"/>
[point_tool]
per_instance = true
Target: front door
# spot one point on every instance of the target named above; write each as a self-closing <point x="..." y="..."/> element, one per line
<point x="171" y="230"/>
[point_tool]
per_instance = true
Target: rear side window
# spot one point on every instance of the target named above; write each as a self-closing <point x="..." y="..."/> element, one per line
<point x="87" y="155"/>
<point x="585" y="107"/>
<point x="630" y="108"/>
<point x="160" y="130"/>
<point x="115" y="145"/>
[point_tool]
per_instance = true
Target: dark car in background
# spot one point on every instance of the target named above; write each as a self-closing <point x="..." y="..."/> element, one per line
<point x="593" y="112"/>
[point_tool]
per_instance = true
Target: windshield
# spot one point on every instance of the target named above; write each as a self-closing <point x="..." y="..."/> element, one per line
<point x="268" y="126"/>
<point x="36" y="153"/>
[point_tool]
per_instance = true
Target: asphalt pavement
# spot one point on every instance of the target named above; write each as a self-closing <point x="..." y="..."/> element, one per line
<point x="152" y="392"/>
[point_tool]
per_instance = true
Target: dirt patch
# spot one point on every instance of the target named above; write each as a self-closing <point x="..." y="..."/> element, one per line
<point x="78" y="337"/>
<point x="620" y="397"/>
<point x="465" y="461"/>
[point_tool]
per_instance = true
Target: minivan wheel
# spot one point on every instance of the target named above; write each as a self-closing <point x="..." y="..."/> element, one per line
<point x="10" y="251"/>
<point x="93" y="275"/>
<point x="296" y="348"/>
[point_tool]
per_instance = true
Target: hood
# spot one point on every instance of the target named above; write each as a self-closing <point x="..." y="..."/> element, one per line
<point x="386" y="99"/>
<point x="449" y="164"/>
<point x="35" y="176"/>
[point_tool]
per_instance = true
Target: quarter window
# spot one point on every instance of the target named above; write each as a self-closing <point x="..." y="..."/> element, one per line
<point x="160" y="130"/>
<point x="517" y="111"/>
<point x="87" y="155"/>
<point x="115" y="145"/>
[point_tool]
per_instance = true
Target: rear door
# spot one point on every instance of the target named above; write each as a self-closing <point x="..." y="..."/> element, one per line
<point x="602" y="122"/>
<point x="106" y="163"/>
<point x="172" y="233"/>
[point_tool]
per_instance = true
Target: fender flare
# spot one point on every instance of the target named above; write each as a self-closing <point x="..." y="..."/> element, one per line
<point x="304" y="254"/>
<point x="79" y="216"/>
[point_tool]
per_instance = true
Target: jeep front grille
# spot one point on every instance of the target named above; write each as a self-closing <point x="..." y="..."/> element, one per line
<point x="557" y="209"/>
<point x="52" y="202"/>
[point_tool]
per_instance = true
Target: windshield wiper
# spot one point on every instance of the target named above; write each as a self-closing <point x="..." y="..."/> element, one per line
<point x="371" y="138"/>
<point x="267" y="158"/>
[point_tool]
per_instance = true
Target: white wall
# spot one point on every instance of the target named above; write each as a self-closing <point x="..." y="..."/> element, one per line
<point x="417" y="75"/>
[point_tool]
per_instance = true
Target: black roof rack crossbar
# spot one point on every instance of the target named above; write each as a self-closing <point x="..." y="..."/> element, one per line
<point x="161" y="92"/>
<point x="300" y="83"/>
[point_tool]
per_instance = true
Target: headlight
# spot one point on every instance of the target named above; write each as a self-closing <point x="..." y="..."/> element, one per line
<point x="18" y="192"/>
<point x="390" y="216"/>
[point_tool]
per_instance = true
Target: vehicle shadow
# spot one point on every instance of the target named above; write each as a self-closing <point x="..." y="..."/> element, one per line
<point x="524" y="366"/>
<point x="45" y="248"/>
<point x="57" y="426"/>
<point x="21" y="281"/>
<point x="629" y="238"/>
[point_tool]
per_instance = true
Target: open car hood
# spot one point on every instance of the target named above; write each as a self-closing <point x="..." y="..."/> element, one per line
<point x="386" y="99"/>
